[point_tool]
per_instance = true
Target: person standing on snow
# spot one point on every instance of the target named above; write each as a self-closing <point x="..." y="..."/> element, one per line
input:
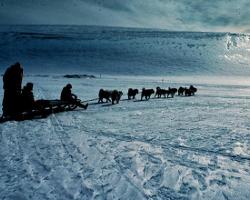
<point x="12" y="85"/>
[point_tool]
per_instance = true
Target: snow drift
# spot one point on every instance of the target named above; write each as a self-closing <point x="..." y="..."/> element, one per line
<point x="125" y="51"/>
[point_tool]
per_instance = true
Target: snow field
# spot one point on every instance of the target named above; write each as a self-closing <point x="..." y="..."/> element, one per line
<point x="181" y="148"/>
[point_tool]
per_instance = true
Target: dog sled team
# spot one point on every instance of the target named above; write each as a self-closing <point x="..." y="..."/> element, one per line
<point x="114" y="96"/>
<point x="19" y="103"/>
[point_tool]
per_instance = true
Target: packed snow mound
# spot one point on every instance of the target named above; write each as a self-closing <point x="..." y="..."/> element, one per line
<point x="92" y="49"/>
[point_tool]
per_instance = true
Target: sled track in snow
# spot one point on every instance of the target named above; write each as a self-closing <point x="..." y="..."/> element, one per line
<point x="129" y="175"/>
<point x="60" y="131"/>
<point x="156" y="142"/>
<point x="76" y="157"/>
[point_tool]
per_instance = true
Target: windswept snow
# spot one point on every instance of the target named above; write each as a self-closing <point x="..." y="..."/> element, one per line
<point x="95" y="50"/>
<point x="181" y="148"/>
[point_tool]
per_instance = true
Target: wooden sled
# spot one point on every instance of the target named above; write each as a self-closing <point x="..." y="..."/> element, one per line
<point x="42" y="109"/>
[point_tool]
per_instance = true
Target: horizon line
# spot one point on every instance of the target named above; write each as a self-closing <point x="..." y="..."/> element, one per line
<point x="127" y="27"/>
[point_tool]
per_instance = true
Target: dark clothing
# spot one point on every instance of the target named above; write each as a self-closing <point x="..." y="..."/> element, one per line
<point x="11" y="103"/>
<point x="27" y="99"/>
<point x="12" y="83"/>
<point x="12" y="79"/>
<point x="66" y="95"/>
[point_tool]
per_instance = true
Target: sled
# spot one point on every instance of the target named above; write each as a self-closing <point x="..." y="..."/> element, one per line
<point x="42" y="109"/>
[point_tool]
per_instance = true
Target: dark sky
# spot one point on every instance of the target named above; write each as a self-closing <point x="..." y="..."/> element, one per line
<point x="188" y="15"/>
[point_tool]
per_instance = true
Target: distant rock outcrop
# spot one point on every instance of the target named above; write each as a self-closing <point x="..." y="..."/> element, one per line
<point x="78" y="76"/>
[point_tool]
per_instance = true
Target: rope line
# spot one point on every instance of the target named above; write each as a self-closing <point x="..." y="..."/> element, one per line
<point x="89" y="100"/>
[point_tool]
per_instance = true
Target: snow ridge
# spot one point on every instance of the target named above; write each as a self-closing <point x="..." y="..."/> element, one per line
<point x="123" y="51"/>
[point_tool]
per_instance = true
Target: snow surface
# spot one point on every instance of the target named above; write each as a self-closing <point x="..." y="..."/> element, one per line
<point x="92" y="49"/>
<point x="181" y="148"/>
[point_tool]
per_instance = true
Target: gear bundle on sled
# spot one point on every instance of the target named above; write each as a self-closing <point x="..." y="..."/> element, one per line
<point x="42" y="109"/>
